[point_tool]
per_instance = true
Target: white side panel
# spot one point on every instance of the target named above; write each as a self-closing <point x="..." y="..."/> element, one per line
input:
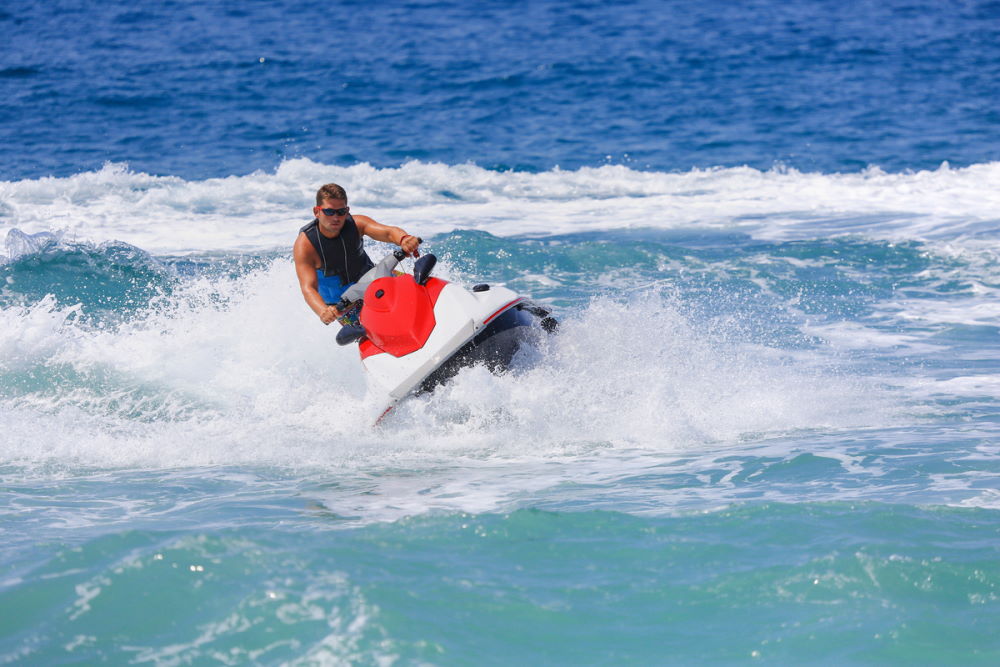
<point x="459" y="315"/>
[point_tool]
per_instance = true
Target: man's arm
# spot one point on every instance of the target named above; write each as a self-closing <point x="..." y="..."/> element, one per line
<point x="305" y="268"/>
<point x="387" y="234"/>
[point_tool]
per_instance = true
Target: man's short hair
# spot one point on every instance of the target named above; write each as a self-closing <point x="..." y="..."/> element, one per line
<point x="330" y="191"/>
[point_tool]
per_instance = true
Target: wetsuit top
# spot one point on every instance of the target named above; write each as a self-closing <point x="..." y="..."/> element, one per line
<point x="344" y="258"/>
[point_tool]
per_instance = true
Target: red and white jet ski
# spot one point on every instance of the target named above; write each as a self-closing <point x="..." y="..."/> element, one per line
<point x="417" y="331"/>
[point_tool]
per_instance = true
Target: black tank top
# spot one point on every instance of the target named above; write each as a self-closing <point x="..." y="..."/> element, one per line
<point x="343" y="255"/>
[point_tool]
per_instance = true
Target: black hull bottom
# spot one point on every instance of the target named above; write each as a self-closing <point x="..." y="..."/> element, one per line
<point x="494" y="346"/>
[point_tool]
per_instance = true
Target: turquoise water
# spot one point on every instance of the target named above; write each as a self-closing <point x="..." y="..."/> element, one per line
<point x="843" y="582"/>
<point x="733" y="450"/>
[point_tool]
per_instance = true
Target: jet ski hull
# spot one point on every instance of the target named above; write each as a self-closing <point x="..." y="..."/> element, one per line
<point x="418" y="332"/>
<point x="493" y="347"/>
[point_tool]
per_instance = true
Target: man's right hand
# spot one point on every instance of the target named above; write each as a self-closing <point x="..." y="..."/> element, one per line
<point x="409" y="245"/>
<point x="329" y="314"/>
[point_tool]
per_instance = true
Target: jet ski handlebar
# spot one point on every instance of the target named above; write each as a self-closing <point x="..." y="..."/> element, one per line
<point x="400" y="254"/>
<point x="381" y="270"/>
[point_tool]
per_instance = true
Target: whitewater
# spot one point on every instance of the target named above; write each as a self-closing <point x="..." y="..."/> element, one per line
<point x="255" y="212"/>
<point x="724" y="345"/>
<point x="224" y="366"/>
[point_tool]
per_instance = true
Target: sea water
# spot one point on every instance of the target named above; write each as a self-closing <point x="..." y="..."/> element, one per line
<point x="767" y="429"/>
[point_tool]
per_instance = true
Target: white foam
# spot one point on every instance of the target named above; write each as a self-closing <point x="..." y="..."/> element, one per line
<point x="985" y="386"/>
<point x="974" y="311"/>
<point x="264" y="210"/>
<point x="847" y="335"/>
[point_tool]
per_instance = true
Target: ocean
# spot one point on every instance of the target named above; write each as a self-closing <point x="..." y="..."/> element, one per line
<point x="768" y="429"/>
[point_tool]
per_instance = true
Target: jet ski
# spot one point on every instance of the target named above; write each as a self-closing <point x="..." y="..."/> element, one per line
<point x="416" y="331"/>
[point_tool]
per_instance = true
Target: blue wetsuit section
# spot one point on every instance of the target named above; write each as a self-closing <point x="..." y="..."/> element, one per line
<point x="331" y="288"/>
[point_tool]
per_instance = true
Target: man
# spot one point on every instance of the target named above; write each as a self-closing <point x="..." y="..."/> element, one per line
<point x="329" y="252"/>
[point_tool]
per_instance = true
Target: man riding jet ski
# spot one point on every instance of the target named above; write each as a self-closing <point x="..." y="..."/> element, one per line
<point x="414" y="332"/>
<point x="417" y="331"/>
<point x="329" y="252"/>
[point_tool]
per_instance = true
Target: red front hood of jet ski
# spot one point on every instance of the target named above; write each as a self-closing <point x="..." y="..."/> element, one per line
<point x="398" y="315"/>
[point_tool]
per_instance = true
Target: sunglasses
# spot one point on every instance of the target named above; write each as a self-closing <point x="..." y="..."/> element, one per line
<point x="336" y="211"/>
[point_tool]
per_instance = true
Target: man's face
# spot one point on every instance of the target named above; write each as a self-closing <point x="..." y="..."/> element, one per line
<point x="331" y="225"/>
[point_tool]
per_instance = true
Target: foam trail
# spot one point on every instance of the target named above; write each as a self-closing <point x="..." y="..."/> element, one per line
<point x="234" y="370"/>
<point x="668" y="389"/>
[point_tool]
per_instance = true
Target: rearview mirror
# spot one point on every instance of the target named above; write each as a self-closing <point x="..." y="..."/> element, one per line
<point x="423" y="267"/>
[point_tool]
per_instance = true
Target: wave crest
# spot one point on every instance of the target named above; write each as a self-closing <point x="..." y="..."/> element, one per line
<point x="264" y="210"/>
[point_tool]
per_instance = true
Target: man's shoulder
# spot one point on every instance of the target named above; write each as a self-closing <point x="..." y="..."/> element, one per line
<point x="303" y="244"/>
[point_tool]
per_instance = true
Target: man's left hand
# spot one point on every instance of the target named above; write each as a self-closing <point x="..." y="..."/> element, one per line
<point x="410" y="245"/>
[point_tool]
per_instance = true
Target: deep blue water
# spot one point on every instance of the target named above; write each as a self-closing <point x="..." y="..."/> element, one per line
<point x="766" y="431"/>
<point x="179" y="87"/>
